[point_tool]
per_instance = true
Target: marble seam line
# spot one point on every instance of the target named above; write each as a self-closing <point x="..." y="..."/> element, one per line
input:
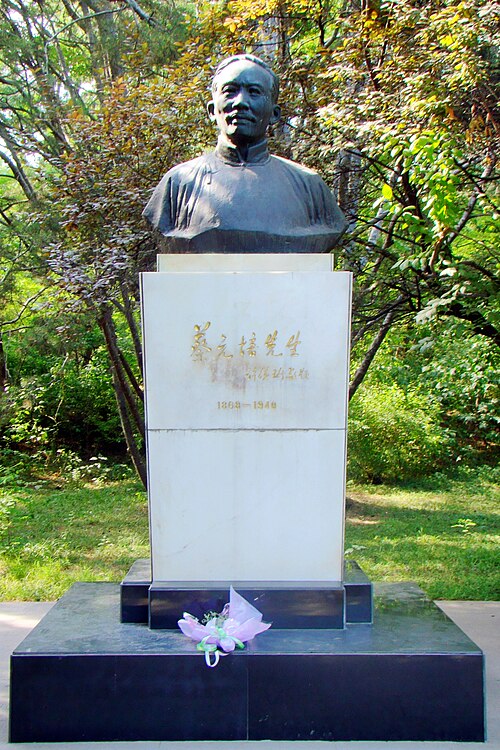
<point x="246" y="429"/>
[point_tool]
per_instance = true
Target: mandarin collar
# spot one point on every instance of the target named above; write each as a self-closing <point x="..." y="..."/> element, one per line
<point x="229" y="154"/>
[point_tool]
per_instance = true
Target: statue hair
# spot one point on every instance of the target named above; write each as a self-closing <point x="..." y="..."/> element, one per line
<point x="275" y="86"/>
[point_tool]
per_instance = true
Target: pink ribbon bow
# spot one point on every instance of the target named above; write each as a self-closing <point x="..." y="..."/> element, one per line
<point x="238" y="622"/>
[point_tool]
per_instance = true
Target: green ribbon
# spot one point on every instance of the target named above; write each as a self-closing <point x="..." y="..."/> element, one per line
<point x="211" y="648"/>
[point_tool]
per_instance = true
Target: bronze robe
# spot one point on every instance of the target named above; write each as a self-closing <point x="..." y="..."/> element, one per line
<point x="219" y="203"/>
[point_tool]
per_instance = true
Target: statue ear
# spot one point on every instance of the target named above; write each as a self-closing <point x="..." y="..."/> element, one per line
<point x="211" y="111"/>
<point x="276" y="115"/>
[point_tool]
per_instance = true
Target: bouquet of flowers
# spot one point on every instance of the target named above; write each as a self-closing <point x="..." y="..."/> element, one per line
<point x="238" y="622"/>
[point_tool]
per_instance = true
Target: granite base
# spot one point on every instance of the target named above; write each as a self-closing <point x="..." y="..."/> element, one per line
<point x="291" y="605"/>
<point x="81" y="675"/>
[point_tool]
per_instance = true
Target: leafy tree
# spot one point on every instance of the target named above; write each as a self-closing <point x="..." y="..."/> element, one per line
<point x="395" y="103"/>
<point x="59" y="63"/>
<point x="101" y="190"/>
<point x="413" y="93"/>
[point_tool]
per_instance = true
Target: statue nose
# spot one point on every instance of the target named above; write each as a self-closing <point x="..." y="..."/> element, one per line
<point x="241" y="100"/>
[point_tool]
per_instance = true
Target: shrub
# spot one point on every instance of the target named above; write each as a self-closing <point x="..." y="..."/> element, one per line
<point x="394" y="434"/>
<point x="69" y="404"/>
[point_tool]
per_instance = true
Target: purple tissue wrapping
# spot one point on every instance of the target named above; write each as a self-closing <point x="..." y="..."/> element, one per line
<point x="239" y="622"/>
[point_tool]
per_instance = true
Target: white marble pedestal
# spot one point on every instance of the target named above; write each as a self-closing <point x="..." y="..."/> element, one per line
<point x="246" y="371"/>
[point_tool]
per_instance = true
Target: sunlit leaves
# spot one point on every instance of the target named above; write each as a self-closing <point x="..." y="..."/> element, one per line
<point x="413" y="88"/>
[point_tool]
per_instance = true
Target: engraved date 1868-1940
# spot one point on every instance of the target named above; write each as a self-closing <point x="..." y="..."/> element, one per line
<point x="232" y="405"/>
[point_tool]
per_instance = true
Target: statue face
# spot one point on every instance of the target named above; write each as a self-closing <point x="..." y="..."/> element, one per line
<point x="242" y="104"/>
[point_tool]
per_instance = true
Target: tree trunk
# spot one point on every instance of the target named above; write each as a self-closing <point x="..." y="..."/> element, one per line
<point x="370" y="354"/>
<point x="129" y="409"/>
<point x="3" y="366"/>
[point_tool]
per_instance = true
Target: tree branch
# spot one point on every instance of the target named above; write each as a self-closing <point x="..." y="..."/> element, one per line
<point x="71" y="23"/>
<point x="473" y="200"/>
<point x="142" y="13"/>
<point x="480" y="324"/>
<point x="19" y="175"/>
<point x="25" y="306"/>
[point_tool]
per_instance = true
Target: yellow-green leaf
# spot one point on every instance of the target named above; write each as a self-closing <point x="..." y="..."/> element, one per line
<point x="387" y="191"/>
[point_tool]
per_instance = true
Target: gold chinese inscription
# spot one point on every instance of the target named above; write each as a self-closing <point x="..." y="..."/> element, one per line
<point x="273" y="345"/>
<point x="277" y="373"/>
<point x="200" y="346"/>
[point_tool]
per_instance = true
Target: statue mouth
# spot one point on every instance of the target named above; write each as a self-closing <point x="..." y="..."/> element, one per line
<point x="237" y="118"/>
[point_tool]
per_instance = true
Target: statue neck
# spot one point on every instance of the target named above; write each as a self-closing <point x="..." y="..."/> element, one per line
<point x="255" y="153"/>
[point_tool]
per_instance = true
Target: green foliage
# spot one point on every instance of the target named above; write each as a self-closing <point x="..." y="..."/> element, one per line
<point x="66" y="405"/>
<point x="430" y="399"/>
<point x="19" y="470"/>
<point x="394" y="434"/>
<point x="58" y="392"/>
<point x="463" y="373"/>
<point x="466" y="525"/>
<point x="459" y="372"/>
<point x="394" y="102"/>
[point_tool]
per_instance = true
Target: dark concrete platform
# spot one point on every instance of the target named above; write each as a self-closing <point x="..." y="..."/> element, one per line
<point x="293" y="606"/>
<point x="81" y="675"/>
<point x="290" y="605"/>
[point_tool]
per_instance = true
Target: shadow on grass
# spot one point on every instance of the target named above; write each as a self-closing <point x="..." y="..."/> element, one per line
<point x="442" y="551"/>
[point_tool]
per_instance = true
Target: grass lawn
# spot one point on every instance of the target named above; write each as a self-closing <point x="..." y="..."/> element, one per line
<point x="53" y="534"/>
<point x="443" y="533"/>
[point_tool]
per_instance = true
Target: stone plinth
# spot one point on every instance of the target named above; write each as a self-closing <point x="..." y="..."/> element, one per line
<point x="81" y="675"/>
<point x="246" y="375"/>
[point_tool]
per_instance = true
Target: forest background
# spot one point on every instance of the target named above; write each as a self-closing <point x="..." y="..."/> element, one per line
<point x="394" y="102"/>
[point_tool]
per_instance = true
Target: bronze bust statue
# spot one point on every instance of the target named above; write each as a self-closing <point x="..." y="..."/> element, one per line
<point x="239" y="198"/>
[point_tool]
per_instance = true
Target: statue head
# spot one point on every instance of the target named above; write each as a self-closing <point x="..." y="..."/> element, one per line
<point x="244" y="99"/>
